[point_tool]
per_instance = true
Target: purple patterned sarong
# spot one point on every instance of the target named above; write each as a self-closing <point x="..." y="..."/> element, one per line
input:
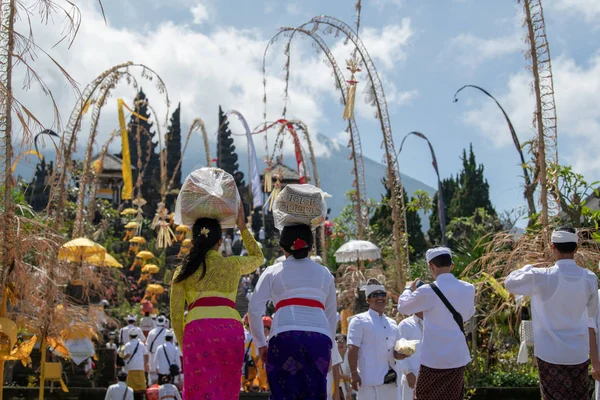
<point x="297" y="365"/>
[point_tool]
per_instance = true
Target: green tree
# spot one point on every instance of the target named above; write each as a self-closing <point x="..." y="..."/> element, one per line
<point x="150" y="163"/>
<point x="226" y="155"/>
<point x="473" y="189"/>
<point x="173" y="146"/>
<point x="382" y="222"/>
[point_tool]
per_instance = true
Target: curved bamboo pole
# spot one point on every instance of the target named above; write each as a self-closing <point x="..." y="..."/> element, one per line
<point x="70" y="135"/>
<point x="530" y="185"/>
<point x="91" y="211"/>
<point x="441" y="205"/>
<point x="401" y="249"/>
<point x="79" y="222"/>
<point x="341" y="84"/>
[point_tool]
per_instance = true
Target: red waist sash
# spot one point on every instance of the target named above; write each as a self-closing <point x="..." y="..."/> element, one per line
<point x="299" y="302"/>
<point x="212" y="302"/>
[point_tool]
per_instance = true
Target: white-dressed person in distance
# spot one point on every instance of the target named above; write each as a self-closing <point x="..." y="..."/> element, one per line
<point x="410" y="328"/>
<point x="303" y="329"/>
<point x="136" y="362"/>
<point x="120" y="390"/>
<point x="371" y="355"/>
<point x="564" y="298"/>
<point x="156" y="338"/>
<point x="124" y="332"/>
<point x="167" y="355"/>
<point x="444" y="350"/>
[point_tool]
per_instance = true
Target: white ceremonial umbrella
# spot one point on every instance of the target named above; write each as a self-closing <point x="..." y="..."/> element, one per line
<point x="357" y="250"/>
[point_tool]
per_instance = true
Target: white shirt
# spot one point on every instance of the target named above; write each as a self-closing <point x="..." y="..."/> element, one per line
<point x="410" y="328"/>
<point x="168" y="391"/>
<point x="294" y="279"/>
<point x="160" y="360"/>
<point x="375" y="335"/>
<point x="146" y="324"/>
<point x="156" y="338"/>
<point x="444" y="345"/>
<point x="336" y="359"/>
<point x="116" y="392"/>
<point x="563" y="298"/>
<point x="595" y="324"/>
<point x="124" y="334"/>
<point x="135" y="362"/>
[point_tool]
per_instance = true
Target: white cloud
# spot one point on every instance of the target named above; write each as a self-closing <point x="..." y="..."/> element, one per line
<point x="200" y="13"/>
<point x="384" y="3"/>
<point x="471" y="51"/>
<point x="578" y="107"/>
<point x="588" y="9"/>
<point x="202" y="71"/>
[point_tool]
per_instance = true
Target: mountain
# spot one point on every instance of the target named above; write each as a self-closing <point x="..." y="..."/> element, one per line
<point x="335" y="172"/>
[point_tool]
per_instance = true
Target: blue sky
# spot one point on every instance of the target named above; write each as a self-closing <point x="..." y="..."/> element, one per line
<point x="210" y="52"/>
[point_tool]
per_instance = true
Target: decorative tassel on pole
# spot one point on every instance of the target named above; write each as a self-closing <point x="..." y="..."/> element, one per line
<point x="352" y="66"/>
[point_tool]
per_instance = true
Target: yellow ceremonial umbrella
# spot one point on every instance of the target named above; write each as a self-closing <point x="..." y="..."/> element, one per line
<point x="129" y="211"/>
<point x="8" y="336"/>
<point x="147" y="271"/>
<point x="129" y="228"/>
<point x="138" y="240"/>
<point x="106" y="261"/>
<point x="182" y="230"/>
<point x="154" y="290"/>
<point x="186" y="246"/>
<point x="144" y="255"/>
<point x="77" y="250"/>
<point x="21" y="352"/>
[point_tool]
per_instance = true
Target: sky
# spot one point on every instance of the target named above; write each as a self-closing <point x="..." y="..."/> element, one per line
<point x="210" y="53"/>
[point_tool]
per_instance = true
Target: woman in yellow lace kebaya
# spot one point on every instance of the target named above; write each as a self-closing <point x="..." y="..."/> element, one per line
<point x="212" y="336"/>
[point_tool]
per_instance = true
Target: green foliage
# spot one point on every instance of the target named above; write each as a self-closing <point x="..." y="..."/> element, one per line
<point x="382" y="223"/>
<point x="509" y="379"/>
<point x="572" y="194"/>
<point x="473" y="189"/>
<point x="346" y="222"/>
<point x="463" y="196"/>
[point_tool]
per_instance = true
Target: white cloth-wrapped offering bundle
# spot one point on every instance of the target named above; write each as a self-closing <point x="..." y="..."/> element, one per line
<point x="406" y="347"/>
<point x="300" y="205"/>
<point x="208" y="193"/>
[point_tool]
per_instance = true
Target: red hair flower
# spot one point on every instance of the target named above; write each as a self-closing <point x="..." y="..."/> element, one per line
<point x="299" y="244"/>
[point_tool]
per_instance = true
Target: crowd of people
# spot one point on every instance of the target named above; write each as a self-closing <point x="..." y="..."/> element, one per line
<point x="295" y="344"/>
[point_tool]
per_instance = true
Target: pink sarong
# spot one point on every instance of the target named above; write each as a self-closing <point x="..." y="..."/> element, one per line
<point x="213" y="355"/>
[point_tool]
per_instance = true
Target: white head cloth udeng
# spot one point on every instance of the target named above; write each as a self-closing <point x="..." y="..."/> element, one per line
<point x="437" y="251"/>
<point x="373" y="288"/>
<point x="564" y="237"/>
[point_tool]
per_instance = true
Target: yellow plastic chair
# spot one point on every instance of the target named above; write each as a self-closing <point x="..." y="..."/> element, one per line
<point x="53" y="372"/>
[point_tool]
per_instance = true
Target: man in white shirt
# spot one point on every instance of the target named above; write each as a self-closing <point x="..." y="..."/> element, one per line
<point x="167" y="355"/>
<point x="124" y="333"/>
<point x="333" y="376"/>
<point x="445" y="305"/>
<point x="136" y="363"/>
<point x="118" y="390"/>
<point x="146" y="324"/>
<point x="564" y="298"/>
<point x="371" y="355"/>
<point x="156" y="338"/>
<point x="410" y="328"/>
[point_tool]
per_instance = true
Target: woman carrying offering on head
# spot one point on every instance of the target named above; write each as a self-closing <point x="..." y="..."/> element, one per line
<point x="212" y="336"/>
<point x="303" y="328"/>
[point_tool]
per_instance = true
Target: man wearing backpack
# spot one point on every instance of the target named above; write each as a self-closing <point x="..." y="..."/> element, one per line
<point x="136" y="363"/>
<point x="445" y="304"/>
<point x="156" y="338"/>
<point x="166" y="361"/>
